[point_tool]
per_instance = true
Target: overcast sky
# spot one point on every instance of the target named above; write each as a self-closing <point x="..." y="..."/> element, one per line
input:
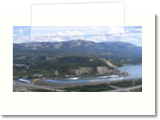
<point x="132" y="34"/>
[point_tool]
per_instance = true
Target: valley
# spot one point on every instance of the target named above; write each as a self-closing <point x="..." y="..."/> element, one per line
<point x="75" y="60"/>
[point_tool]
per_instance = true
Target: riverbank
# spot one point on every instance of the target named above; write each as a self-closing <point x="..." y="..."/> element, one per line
<point x="132" y="64"/>
<point x="74" y="78"/>
<point x="62" y="85"/>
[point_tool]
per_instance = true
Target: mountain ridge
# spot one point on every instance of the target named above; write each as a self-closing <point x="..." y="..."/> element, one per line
<point x="115" y="51"/>
<point x="71" y="43"/>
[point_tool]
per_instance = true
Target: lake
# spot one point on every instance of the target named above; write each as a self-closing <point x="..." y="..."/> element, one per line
<point x="135" y="70"/>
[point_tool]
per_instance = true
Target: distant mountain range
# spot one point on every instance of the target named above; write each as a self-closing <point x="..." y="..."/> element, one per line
<point x="108" y="50"/>
<point x="78" y="45"/>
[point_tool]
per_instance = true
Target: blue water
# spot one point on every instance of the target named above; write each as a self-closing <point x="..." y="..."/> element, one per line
<point x="85" y="78"/>
<point x="135" y="70"/>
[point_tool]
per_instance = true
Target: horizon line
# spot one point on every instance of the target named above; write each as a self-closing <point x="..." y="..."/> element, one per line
<point x="73" y="40"/>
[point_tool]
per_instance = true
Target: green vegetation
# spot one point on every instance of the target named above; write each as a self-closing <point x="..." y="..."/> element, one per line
<point x="90" y="88"/>
<point x="44" y="67"/>
<point x="40" y="82"/>
<point x="41" y="90"/>
<point x="137" y="90"/>
<point x="128" y="83"/>
<point x="138" y="82"/>
<point x="113" y="51"/>
<point x="120" y="64"/>
<point x="14" y="90"/>
<point x="76" y="62"/>
<point x="47" y="57"/>
<point x="74" y="59"/>
<point x="63" y="66"/>
<point x="16" y="79"/>
<point x="31" y="77"/>
<point x="141" y="88"/>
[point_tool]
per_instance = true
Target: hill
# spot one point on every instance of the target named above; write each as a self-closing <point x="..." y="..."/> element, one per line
<point x="84" y="65"/>
<point x="115" y="51"/>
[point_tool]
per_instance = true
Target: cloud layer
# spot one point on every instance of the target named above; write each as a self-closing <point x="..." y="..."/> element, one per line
<point x="92" y="33"/>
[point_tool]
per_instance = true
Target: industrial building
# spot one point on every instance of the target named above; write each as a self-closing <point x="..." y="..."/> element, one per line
<point x="24" y="81"/>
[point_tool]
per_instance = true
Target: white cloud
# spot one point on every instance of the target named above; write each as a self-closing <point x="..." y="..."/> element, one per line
<point x="38" y="32"/>
<point x="60" y="34"/>
<point x="115" y="29"/>
<point x="20" y="31"/>
<point x="94" y="29"/>
<point x="136" y="29"/>
<point x="140" y="30"/>
<point x="20" y="39"/>
<point x="56" y="28"/>
<point x="73" y="33"/>
<point x="129" y="39"/>
<point x="130" y="35"/>
<point x="98" y="38"/>
<point x="14" y="35"/>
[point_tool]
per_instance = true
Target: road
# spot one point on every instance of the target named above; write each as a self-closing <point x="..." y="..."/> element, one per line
<point x="47" y="88"/>
<point x="124" y="89"/>
<point x="35" y="86"/>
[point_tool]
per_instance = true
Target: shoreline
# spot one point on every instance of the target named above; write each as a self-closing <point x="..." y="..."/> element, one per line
<point x="132" y="64"/>
<point x="61" y="85"/>
<point x="86" y="78"/>
<point x="70" y="79"/>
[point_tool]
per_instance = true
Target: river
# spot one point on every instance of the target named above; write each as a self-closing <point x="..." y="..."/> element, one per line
<point x="134" y="70"/>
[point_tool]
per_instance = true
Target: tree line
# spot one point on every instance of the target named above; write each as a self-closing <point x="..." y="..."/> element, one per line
<point x="128" y="83"/>
<point x="90" y="88"/>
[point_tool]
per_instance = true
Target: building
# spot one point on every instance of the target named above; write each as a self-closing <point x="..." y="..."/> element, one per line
<point x="24" y="81"/>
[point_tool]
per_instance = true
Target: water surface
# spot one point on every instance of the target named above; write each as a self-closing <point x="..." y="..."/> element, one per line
<point x="134" y="70"/>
